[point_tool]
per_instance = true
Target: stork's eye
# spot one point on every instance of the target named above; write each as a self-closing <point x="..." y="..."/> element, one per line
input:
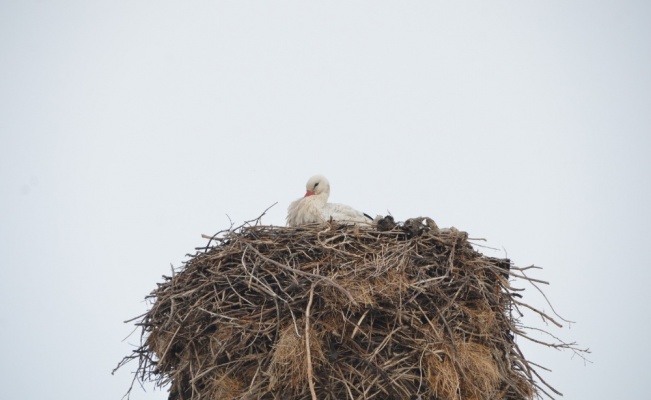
<point x="316" y="184"/>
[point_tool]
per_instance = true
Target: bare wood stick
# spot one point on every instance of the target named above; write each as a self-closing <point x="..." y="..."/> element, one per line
<point x="525" y="268"/>
<point x="537" y="312"/>
<point x="310" y="378"/>
<point x="352" y="336"/>
<point x="263" y="213"/>
<point x="528" y="278"/>
<point x="547" y="300"/>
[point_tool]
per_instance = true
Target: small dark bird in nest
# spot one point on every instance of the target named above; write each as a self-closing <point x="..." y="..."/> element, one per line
<point x="413" y="227"/>
<point x="386" y="224"/>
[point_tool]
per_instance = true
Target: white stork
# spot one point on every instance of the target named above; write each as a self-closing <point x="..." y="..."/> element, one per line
<point x="314" y="206"/>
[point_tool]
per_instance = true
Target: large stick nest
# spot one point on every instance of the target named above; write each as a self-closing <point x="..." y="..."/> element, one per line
<point x="335" y="311"/>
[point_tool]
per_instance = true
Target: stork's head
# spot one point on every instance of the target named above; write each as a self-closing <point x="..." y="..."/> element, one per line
<point x="316" y="185"/>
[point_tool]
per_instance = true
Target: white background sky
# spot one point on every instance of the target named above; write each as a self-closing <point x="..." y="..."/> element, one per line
<point x="129" y="128"/>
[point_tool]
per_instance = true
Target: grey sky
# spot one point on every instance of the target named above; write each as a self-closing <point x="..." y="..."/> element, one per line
<point x="128" y="129"/>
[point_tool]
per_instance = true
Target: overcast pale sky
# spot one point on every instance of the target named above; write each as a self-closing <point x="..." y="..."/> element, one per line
<point x="129" y="128"/>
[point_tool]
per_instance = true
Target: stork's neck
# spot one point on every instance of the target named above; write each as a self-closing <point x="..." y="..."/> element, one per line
<point x="320" y="198"/>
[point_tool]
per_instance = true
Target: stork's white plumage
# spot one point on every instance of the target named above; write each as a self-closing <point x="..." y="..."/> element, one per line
<point x="314" y="206"/>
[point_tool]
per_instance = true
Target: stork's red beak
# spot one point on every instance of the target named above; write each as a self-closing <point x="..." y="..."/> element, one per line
<point x="309" y="193"/>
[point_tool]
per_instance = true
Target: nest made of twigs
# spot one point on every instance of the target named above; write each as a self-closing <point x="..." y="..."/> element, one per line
<point x="333" y="311"/>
